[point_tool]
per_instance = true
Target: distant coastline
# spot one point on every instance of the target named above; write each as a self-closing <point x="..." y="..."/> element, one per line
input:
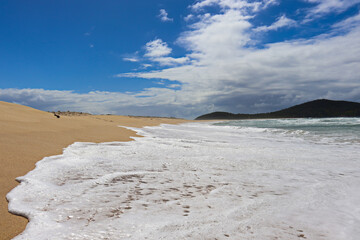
<point x="321" y="108"/>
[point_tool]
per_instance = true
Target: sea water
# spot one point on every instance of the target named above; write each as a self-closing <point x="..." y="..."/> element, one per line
<point x="251" y="179"/>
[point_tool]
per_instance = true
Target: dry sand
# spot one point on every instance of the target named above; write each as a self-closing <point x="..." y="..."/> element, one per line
<point x="27" y="135"/>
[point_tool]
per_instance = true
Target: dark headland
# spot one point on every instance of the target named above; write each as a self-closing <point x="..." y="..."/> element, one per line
<point x="321" y="108"/>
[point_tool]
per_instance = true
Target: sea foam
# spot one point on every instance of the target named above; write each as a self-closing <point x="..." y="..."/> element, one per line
<point x="195" y="181"/>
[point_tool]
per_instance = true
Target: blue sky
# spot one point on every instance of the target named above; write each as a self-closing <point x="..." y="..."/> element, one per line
<point x="178" y="58"/>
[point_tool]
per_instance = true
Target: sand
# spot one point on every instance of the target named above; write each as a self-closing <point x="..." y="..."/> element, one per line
<point x="27" y="135"/>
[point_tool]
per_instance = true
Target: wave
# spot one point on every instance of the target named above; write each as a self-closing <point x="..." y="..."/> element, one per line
<point x="194" y="181"/>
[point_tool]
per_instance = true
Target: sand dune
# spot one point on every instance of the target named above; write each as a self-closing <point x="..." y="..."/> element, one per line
<point x="27" y="135"/>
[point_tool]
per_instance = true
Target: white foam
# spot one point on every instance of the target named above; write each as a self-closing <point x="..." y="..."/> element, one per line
<point x="194" y="181"/>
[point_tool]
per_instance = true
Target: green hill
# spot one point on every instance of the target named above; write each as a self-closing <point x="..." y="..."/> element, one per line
<point x="321" y="108"/>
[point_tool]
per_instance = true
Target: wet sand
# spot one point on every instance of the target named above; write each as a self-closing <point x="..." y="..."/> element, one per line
<point x="27" y="135"/>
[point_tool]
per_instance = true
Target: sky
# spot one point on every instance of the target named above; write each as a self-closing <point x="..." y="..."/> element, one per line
<point x="178" y="58"/>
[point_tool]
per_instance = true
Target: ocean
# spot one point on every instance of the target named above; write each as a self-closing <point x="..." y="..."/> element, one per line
<point x="249" y="179"/>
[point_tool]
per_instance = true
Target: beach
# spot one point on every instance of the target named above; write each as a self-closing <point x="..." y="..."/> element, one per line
<point x="28" y="135"/>
<point x="255" y="179"/>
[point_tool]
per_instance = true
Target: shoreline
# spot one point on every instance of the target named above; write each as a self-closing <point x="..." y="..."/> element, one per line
<point x="28" y="135"/>
<point x="195" y="181"/>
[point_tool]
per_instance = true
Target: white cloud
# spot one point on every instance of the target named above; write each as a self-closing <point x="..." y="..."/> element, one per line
<point x="189" y="17"/>
<point x="231" y="4"/>
<point x="323" y="7"/>
<point x="270" y="3"/>
<point x="146" y="65"/>
<point x="174" y="86"/>
<point x="281" y="22"/>
<point x="157" y="51"/>
<point x="215" y="37"/>
<point x="157" y="48"/>
<point x="280" y="66"/>
<point x="163" y="15"/>
<point x="242" y="5"/>
<point x="170" y="61"/>
<point x="131" y="59"/>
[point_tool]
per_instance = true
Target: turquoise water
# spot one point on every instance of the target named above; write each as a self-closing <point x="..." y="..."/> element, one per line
<point x="342" y="130"/>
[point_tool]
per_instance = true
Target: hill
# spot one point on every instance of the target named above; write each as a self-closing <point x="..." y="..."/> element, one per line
<point x="321" y="108"/>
